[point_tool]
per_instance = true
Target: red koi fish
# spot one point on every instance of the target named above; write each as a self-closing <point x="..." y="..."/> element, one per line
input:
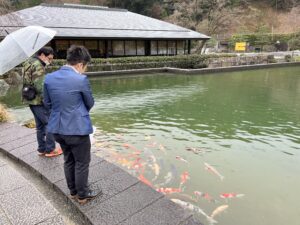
<point x="184" y="177"/>
<point x="169" y="190"/>
<point x="137" y="164"/>
<point x="205" y="196"/>
<point x="144" y="180"/>
<point x="231" y="195"/>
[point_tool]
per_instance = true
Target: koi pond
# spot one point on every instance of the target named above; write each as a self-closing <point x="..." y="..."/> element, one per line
<point x="226" y="146"/>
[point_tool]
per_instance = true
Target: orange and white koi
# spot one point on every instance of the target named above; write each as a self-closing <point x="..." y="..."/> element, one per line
<point x="169" y="190"/>
<point x="144" y="180"/>
<point x="231" y="195"/>
<point x="181" y="159"/>
<point x="219" y="210"/>
<point x="137" y="164"/>
<point x="213" y="170"/>
<point x="195" y="209"/>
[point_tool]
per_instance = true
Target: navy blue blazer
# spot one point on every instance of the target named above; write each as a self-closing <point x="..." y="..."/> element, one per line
<point x="69" y="97"/>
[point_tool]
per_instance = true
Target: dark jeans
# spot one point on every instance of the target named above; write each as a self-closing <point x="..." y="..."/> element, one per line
<point x="77" y="156"/>
<point x="45" y="140"/>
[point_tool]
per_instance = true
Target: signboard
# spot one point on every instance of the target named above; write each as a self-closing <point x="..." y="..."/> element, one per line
<point x="240" y="46"/>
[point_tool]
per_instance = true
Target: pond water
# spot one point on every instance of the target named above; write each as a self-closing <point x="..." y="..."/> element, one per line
<point x="227" y="141"/>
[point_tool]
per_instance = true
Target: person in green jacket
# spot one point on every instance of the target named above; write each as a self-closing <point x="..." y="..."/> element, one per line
<point x="33" y="74"/>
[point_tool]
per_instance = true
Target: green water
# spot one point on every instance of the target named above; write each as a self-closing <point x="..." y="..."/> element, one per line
<point x="244" y="124"/>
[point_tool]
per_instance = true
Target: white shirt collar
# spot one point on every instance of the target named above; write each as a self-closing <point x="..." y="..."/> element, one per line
<point x="72" y="68"/>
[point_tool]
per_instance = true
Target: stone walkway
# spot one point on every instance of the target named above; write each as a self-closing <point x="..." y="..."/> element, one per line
<point x="22" y="203"/>
<point x="126" y="200"/>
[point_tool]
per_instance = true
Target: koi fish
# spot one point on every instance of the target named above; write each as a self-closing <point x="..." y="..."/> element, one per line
<point x="156" y="170"/>
<point x="205" y="196"/>
<point x="169" y="190"/>
<point x="144" y="180"/>
<point x="219" y="210"/>
<point x="184" y="177"/>
<point x="231" y="195"/>
<point x="213" y="170"/>
<point x="162" y="148"/>
<point x="181" y="159"/>
<point x="137" y="164"/>
<point x="183" y="197"/>
<point x="167" y="178"/>
<point x="147" y="138"/>
<point x="194" y="208"/>
<point x="130" y="147"/>
<point x="152" y="144"/>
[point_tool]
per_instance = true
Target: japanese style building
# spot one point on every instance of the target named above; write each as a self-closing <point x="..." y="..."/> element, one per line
<point x="106" y="32"/>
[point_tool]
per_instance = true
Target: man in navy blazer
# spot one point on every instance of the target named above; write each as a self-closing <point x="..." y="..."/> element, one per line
<point x="68" y="95"/>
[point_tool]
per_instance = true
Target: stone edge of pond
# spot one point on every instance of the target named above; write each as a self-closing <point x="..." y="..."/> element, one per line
<point x="190" y="71"/>
<point x="125" y="200"/>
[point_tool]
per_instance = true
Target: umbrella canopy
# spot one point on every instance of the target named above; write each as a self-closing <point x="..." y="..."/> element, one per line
<point x="21" y="44"/>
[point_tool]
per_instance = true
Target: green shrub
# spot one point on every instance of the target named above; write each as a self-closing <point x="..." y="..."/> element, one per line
<point x="143" y="62"/>
<point x="271" y="59"/>
<point x="288" y="58"/>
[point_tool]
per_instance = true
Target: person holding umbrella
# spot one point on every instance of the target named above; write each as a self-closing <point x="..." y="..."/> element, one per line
<point x="16" y="48"/>
<point x="32" y="94"/>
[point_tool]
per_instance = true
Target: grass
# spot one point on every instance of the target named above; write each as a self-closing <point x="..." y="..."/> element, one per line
<point x="4" y="115"/>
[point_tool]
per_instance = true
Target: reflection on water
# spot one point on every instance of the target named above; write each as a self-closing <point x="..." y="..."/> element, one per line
<point x="225" y="146"/>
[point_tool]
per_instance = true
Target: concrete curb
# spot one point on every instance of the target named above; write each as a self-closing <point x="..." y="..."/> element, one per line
<point x="190" y="71"/>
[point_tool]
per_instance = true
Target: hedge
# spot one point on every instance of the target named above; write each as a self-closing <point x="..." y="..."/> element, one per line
<point x="263" y="39"/>
<point x="141" y="62"/>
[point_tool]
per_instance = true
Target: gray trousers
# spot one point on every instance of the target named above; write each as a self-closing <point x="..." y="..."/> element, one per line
<point x="77" y="157"/>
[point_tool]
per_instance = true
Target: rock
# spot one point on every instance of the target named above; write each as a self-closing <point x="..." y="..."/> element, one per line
<point x="3" y="87"/>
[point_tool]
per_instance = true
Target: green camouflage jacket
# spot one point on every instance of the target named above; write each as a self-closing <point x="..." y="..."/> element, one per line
<point x="34" y="70"/>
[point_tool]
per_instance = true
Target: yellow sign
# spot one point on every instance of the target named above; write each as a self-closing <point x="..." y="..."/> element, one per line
<point x="240" y="46"/>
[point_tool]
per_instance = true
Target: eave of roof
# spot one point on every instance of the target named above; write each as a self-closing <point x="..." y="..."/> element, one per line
<point x="80" y="21"/>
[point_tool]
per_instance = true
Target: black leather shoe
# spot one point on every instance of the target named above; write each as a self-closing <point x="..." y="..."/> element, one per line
<point x="90" y="195"/>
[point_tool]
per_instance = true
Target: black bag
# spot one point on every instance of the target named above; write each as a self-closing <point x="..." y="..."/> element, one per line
<point x="29" y="91"/>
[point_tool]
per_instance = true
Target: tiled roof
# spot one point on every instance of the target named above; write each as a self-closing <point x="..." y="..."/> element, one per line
<point x="81" y="21"/>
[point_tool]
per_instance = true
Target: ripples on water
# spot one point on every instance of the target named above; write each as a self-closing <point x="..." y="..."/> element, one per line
<point x="245" y="125"/>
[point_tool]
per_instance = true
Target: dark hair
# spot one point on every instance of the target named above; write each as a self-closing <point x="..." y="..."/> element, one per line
<point x="78" y="54"/>
<point x="46" y="51"/>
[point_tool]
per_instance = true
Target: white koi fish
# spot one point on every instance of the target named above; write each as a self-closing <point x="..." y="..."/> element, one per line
<point x="194" y="208"/>
<point x="219" y="210"/>
<point x="213" y="170"/>
<point x="181" y="159"/>
<point x="167" y="178"/>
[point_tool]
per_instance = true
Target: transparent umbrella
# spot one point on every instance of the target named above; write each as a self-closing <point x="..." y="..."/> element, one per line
<point x="21" y="44"/>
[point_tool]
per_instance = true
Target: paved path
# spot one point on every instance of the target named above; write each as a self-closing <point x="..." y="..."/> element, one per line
<point x="126" y="201"/>
<point x="22" y="203"/>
